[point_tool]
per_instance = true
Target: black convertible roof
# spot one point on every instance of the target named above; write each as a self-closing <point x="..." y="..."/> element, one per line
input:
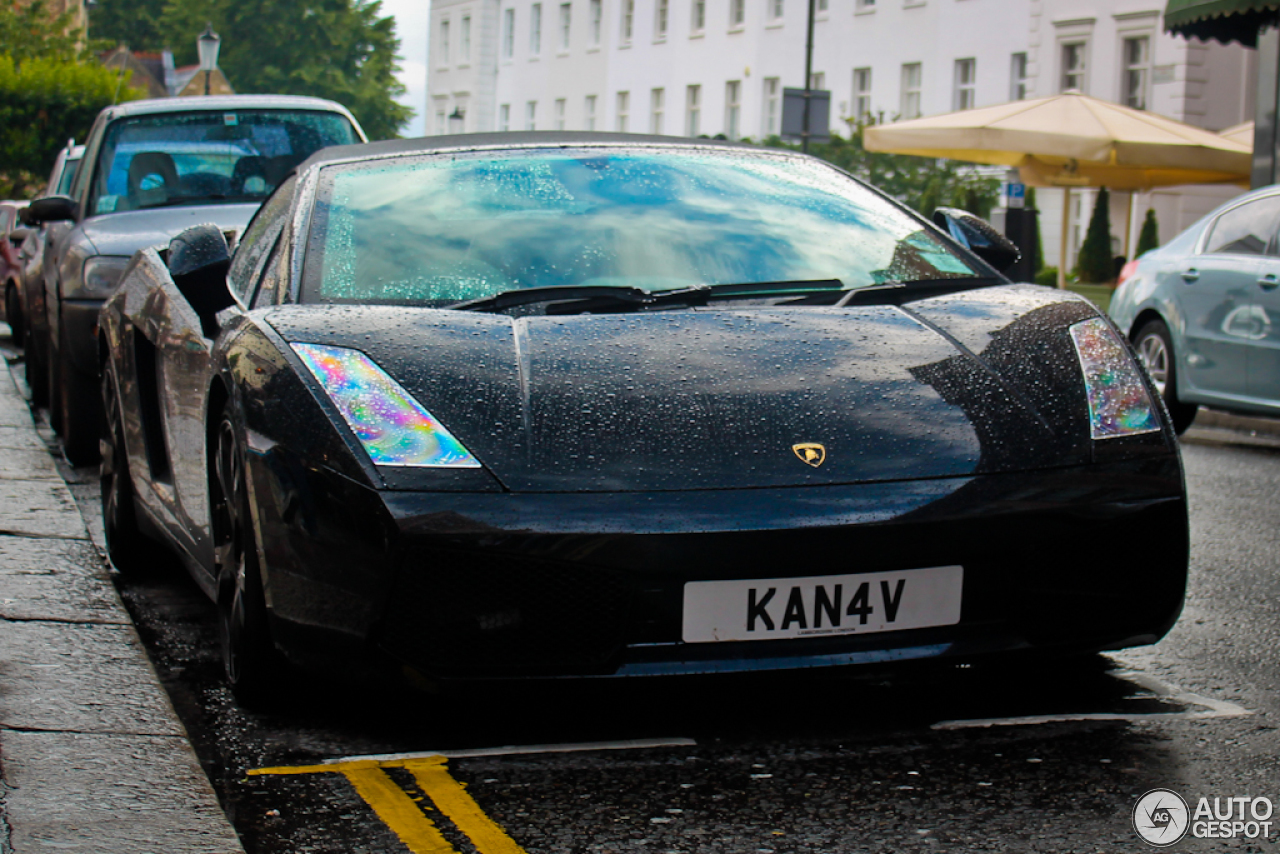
<point x="525" y="139"/>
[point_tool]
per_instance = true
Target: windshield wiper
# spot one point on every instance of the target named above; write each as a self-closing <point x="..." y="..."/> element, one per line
<point x="572" y="299"/>
<point x="897" y="293"/>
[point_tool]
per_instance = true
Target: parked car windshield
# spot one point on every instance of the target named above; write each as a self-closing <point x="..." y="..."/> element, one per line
<point x="207" y="157"/>
<point x="436" y="229"/>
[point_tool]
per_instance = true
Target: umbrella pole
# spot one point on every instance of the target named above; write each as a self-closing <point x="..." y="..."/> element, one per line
<point x="1128" y="223"/>
<point x="1062" y="249"/>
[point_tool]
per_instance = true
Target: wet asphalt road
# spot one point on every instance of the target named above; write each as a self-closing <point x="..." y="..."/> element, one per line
<point x="791" y="764"/>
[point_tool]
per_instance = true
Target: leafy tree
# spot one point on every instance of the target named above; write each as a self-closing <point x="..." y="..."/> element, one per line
<point x="1149" y="238"/>
<point x="337" y="49"/>
<point x="31" y="32"/>
<point x="923" y="183"/>
<point x="50" y="90"/>
<point x="1095" y="265"/>
<point x="135" y="23"/>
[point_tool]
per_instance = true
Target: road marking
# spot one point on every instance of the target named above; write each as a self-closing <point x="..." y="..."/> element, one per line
<point x="397" y="810"/>
<point x="405" y="818"/>
<point x="1210" y="708"/>
<point x="522" y="749"/>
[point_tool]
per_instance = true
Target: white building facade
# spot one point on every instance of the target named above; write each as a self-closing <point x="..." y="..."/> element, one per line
<point x="695" y="67"/>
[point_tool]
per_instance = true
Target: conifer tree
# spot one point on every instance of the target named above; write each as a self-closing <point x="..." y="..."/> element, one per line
<point x="1094" y="264"/>
<point x="1150" y="237"/>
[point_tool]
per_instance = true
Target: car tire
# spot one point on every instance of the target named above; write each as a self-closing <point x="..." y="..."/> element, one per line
<point x="79" y="415"/>
<point x="131" y="551"/>
<point x="13" y="312"/>
<point x="251" y="663"/>
<point x="37" y="370"/>
<point x="1154" y="346"/>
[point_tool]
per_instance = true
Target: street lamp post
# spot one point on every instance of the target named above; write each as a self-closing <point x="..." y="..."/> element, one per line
<point x="207" y="46"/>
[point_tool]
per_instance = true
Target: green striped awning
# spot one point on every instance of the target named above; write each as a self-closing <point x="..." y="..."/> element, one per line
<point x="1221" y="20"/>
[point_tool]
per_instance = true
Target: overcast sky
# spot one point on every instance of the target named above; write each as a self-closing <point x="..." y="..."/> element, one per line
<point x="412" y="17"/>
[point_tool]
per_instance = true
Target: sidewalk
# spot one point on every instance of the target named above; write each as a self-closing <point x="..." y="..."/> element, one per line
<point x="93" y="759"/>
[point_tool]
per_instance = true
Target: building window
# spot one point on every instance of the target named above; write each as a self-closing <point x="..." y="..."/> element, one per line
<point x="1018" y="77"/>
<point x="559" y="113"/>
<point x="589" y="113"/>
<point x="624" y="111"/>
<point x="822" y="5"/>
<point x="443" y="59"/>
<point x="911" y="77"/>
<point x="1073" y="66"/>
<point x="699" y="21"/>
<point x="737" y="12"/>
<point x="693" y="111"/>
<point x="597" y="15"/>
<point x="628" y="19"/>
<point x="661" y="15"/>
<point x="861" y="94"/>
<point x="732" y="108"/>
<point x="865" y="5"/>
<point x="775" y="10"/>
<point x="535" y="29"/>
<point x="565" y="15"/>
<point x="508" y="33"/>
<point x="772" y="107"/>
<point x="504" y="117"/>
<point x="818" y="81"/>
<point x="531" y="115"/>
<point x="656" y="98"/>
<point x="442" y="111"/>
<point x="1137" y="61"/>
<point x="962" y="90"/>
<point x="464" y="40"/>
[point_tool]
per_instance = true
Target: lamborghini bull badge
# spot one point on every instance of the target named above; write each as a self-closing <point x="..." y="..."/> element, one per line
<point x="810" y="453"/>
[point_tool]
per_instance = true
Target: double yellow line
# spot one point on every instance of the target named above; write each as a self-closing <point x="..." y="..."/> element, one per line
<point x="403" y="815"/>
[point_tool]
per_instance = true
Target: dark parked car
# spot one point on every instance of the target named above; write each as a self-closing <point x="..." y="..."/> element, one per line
<point x="12" y="233"/>
<point x="597" y="405"/>
<point x="1203" y="311"/>
<point x="31" y="260"/>
<point x="152" y="169"/>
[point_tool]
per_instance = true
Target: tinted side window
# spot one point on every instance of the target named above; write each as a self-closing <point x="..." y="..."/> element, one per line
<point x="258" y="239"/>
<point x="1245" y="230"/>
<point x="275" y="278"/>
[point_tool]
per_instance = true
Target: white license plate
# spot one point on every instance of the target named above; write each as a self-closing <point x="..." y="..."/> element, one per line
<point x="772" y="608"/>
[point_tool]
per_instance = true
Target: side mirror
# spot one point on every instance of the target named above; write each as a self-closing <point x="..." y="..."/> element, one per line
<point x="49" y="209"/>
<point x="18" y="235"/>
<point x="198" y="262"/>
<point x="978" y="236"/>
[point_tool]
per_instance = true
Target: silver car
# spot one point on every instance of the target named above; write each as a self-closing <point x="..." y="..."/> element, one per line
<point x="1203" y="311"/>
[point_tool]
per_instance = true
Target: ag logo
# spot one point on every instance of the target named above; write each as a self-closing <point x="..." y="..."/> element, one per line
<point x="1161" y="817"/>
<point x="810" y="453"/>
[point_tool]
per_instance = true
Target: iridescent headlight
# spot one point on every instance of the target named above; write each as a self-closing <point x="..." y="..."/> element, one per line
<point x="394" y="429"/>
<point x="1118" y="401"/>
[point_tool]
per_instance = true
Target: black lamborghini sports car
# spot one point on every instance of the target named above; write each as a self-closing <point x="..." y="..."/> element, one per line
<point x="526" y="405"/>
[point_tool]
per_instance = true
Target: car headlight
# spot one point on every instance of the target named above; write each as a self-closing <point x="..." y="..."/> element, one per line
<point x="102" y="274"/>
<point x="393" y="428"/>
<point x="1119" y="404"/>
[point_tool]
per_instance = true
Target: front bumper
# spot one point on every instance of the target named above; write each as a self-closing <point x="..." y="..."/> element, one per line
<point x="499" y="585"/>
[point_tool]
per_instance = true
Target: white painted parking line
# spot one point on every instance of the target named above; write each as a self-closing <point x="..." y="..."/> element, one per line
<point x="521" y="749"/>
<point x="1199" y="708"/>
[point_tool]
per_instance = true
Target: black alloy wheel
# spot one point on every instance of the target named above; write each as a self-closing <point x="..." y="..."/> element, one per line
<point x="1155" y="350"/>
<point x="131" y="551"/>
<point x="13" y="312"/>
<point x="79" y="416"/>
<point x="37" y="370"/>
<point x="252" y="665"/>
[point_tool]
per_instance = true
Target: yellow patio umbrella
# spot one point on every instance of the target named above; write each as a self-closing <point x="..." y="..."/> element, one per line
<point x="1072" y="140"/>
<point x="1241" y="133"/>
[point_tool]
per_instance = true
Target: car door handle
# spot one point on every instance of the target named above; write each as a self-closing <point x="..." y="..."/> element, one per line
<point x="1269" y="282"/>
<point x="1190" y="275"/>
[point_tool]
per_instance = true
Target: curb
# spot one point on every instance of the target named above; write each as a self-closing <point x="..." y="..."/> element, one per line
<point x="93" y="757"/>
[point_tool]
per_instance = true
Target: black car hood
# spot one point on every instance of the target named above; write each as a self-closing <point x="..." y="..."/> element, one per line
<point x="719" y="398"/>
<point x="126" y="232"/>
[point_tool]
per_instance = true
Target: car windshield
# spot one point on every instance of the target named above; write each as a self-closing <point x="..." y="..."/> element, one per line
<point x="207" y="157"/>
<point x="438" y="229"/>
